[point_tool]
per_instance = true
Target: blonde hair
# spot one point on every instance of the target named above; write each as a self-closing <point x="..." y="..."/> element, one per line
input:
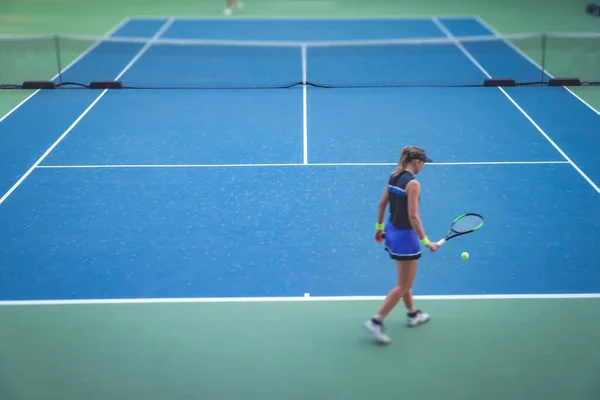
<point x="407" y="151"/>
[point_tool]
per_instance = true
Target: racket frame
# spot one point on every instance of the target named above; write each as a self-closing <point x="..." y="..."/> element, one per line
<point x="451" y="235"/>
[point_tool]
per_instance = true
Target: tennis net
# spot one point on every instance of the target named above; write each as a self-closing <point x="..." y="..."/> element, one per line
<point x="76" y="61"/>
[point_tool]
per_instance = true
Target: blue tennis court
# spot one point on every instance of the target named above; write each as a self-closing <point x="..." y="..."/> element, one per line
<point x="175" y="192"/>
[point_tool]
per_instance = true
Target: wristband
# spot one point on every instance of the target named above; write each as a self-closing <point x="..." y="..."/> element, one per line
<point x="425" y="241"/>
<point x="379" y="227"/>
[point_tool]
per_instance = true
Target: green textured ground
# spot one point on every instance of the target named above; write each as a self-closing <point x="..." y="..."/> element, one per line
<point x="472" y="349"/>
<point x="487" y="349"/>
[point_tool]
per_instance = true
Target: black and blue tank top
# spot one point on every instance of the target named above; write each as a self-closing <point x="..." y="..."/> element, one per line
<point x="399" y="200"/>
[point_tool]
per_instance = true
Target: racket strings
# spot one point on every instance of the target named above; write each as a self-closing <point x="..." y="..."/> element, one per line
<point x="467" y="223"/>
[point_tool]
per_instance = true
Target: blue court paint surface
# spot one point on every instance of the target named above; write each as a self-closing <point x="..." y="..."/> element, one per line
<point x="140" y="28"/>
<point x="187" y="127"/>
<point x="286" y="230"/>
<point x="270" y="231"/>
<point x="104" y="62"/>
<point x="303" y="30"/>
<point x="454" y="125"/>
<point x="390" y="65"/>
<point x="193" y="66"/>
<point x="31" y="129"/>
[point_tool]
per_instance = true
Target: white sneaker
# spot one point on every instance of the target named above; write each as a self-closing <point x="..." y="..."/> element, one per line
<point x="227" y="11"/>
<point x="418" y="319"/>
<point x="240" y="4"/>
<point x="377" y="331"/>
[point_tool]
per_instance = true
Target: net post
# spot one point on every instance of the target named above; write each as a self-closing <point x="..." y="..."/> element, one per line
<point x="544" y="44"/>
<point x="57" y="48"/>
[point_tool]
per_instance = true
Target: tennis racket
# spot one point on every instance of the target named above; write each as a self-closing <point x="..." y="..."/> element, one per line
<point x="462" y="225"/>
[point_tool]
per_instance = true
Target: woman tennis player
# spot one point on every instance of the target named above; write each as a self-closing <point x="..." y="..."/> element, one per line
<point x="402" y="234"/>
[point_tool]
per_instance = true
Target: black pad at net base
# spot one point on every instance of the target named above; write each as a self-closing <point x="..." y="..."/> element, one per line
<point x="499" y="82"/>
<point x="39" y="85"/>
<point x="106" y="85"/>
<point x="564" y="82"/>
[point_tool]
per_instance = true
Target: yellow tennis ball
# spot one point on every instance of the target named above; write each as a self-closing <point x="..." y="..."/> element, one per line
<point x="465" y="255"/>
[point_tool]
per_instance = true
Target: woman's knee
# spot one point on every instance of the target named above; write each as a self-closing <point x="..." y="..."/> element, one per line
<point x="403" y="287"/>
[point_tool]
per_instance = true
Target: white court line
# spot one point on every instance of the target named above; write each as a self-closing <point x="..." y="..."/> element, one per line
<point x="474" y="61"/>
<point x="526" y="57"/>
<point x="70" y="128"/>
<point x="307" y="18"/>
<point x="65" y="133"/>
<point x="91" y="166"/>
<point x="65" y="69"/>
<point x="295" y="299"/>
<point x="304" y="106"/>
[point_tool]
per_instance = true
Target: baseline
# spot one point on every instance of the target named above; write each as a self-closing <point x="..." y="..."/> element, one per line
<point x="306" y="297"/>
<point x="307" y="18"/>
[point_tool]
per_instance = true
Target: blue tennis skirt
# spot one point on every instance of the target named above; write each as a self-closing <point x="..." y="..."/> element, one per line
<point x="401" y="244"/>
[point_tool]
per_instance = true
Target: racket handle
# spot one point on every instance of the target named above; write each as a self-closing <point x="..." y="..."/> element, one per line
<point x="441" y="242"/>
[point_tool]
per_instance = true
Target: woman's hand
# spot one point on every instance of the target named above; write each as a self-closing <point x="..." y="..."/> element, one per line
<point x="379" y="237"/>
<point x="433" y="246"/>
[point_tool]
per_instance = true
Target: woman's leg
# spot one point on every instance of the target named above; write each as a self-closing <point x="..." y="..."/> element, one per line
<point x="414" y="316"/>
<point x="408" y="298"/>
<point x="406" y="274"/>
<point x="409" y="303"/>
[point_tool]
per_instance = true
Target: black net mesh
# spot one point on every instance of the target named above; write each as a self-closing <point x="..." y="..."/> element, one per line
<point x="27" y="59"/>
<point x="574" y="56"/>
<point x="145" y="63"/>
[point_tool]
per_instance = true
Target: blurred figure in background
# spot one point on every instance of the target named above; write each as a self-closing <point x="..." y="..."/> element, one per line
<point x="230" y="4"/>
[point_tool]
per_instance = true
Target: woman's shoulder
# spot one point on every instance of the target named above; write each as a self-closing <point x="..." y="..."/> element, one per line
<point x="413" y="182"/>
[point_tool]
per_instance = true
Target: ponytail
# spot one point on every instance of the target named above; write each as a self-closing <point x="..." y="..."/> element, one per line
<point x="403" y="162"/>
<point x="409" y="153"/>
